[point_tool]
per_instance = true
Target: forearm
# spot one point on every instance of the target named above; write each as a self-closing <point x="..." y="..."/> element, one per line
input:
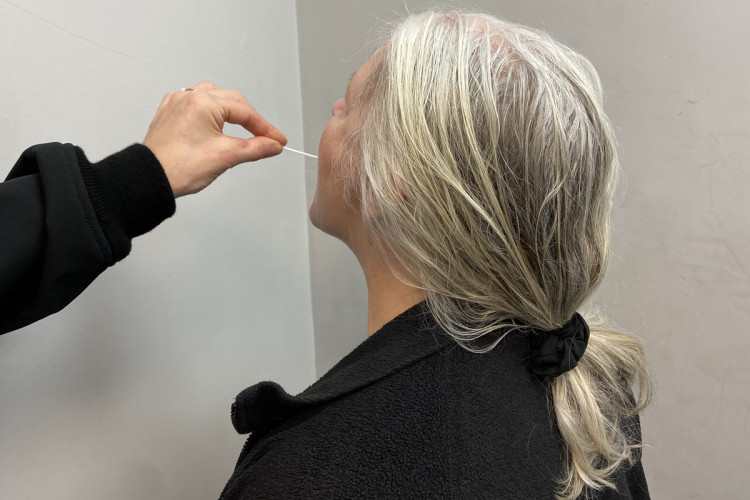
<point x="63" y="221"/>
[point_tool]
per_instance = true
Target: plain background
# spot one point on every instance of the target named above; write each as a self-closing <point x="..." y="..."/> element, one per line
<point x="126" y="393"/>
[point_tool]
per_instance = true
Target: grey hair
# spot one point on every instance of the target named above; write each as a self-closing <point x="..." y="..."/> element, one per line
<point x="485" y="168"/>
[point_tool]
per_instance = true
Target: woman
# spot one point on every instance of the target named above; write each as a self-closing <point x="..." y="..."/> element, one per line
<point x="470" y="168"/>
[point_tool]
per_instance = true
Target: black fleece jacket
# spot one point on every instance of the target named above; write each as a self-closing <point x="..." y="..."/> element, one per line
<point x="410" y="414"/>
<point x="63" y="221"/>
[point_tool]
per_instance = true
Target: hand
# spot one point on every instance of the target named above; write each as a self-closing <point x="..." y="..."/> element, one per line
<point x="186" y="136"/>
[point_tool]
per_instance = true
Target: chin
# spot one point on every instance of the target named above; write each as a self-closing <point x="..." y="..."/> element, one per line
<point x="330" y="220"/>
<point x="318" y="219"/>
<point x="313" y="215"/>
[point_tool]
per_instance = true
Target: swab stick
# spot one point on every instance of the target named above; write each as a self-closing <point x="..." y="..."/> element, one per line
<point x="300" y="152"/>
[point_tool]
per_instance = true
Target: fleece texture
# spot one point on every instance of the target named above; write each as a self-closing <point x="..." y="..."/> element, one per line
<point x="408" y="414"/>
<point x="63" y="221"/>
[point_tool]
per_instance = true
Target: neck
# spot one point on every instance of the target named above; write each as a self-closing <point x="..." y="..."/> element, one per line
<point x="387" y="296"/>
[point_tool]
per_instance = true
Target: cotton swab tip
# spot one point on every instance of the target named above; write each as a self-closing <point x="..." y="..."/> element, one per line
<point x="300" y="152"/>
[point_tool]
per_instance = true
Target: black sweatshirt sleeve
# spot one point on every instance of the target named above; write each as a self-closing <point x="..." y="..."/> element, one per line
<point x="63" y="221"/>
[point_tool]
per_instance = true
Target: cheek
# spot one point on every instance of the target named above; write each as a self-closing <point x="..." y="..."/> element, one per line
<point x="329" y="142"/>
<point x="329" y="211"/>
<point x="324" y="205"/>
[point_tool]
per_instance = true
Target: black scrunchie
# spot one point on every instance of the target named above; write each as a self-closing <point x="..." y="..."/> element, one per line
<point x="554" y="352"/>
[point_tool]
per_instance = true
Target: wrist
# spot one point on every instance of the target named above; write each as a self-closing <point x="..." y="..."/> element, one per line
<point x="130" y="193"/>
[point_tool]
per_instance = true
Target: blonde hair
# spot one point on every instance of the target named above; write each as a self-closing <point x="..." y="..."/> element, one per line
<point x="485" y="168"/>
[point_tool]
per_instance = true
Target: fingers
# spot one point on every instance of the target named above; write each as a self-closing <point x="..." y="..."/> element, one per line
<point x="253" y="149"/>
<point x="242" y="113"/>
<point x="236" y="109"/>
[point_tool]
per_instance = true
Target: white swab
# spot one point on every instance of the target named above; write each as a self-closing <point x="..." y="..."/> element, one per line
<point x="300" y="152"/>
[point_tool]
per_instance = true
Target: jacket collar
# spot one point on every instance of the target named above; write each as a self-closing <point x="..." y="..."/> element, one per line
<point x="408" y="338"/>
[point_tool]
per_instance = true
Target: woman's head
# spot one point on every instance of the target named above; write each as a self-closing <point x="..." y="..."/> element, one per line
<point x="476" y="155"/>
<point x="479" y="158"/>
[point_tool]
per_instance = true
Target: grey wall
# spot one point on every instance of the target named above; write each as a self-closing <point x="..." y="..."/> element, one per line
<point x="126" y="393"/>
<point x="677" y="77"/>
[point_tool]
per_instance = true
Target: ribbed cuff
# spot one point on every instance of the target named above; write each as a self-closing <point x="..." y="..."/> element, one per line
<point x="130" y="194"/>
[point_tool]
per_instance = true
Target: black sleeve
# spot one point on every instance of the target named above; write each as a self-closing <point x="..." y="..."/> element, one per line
<point x="63" y="221"/>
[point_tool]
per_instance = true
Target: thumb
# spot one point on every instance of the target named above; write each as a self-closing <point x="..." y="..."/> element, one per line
<point x="252" y="149"/>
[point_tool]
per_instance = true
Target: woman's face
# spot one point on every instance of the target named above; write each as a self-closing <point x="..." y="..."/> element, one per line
<point x="329" y="211"/>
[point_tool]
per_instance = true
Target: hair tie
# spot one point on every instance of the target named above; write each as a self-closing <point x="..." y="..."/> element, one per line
<point x="554" y="352"/>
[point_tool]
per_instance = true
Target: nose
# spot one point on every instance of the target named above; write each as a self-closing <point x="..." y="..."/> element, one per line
<point x="338" y="106"/>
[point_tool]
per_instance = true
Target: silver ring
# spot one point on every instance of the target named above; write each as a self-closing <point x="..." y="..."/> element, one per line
<point x="188" y="89"/>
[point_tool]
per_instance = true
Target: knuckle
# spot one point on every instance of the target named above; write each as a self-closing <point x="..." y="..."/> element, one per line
<point x="231" y="94"/>
<point x="196" y="98"/>
<point x="206" y="84"/>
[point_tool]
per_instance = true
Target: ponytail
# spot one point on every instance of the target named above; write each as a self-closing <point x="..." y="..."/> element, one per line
<point x="596" y="409"/>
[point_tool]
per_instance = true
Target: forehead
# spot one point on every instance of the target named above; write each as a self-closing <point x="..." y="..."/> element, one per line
<point x="349" y="83"/>
<point x="357" y="79"/>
